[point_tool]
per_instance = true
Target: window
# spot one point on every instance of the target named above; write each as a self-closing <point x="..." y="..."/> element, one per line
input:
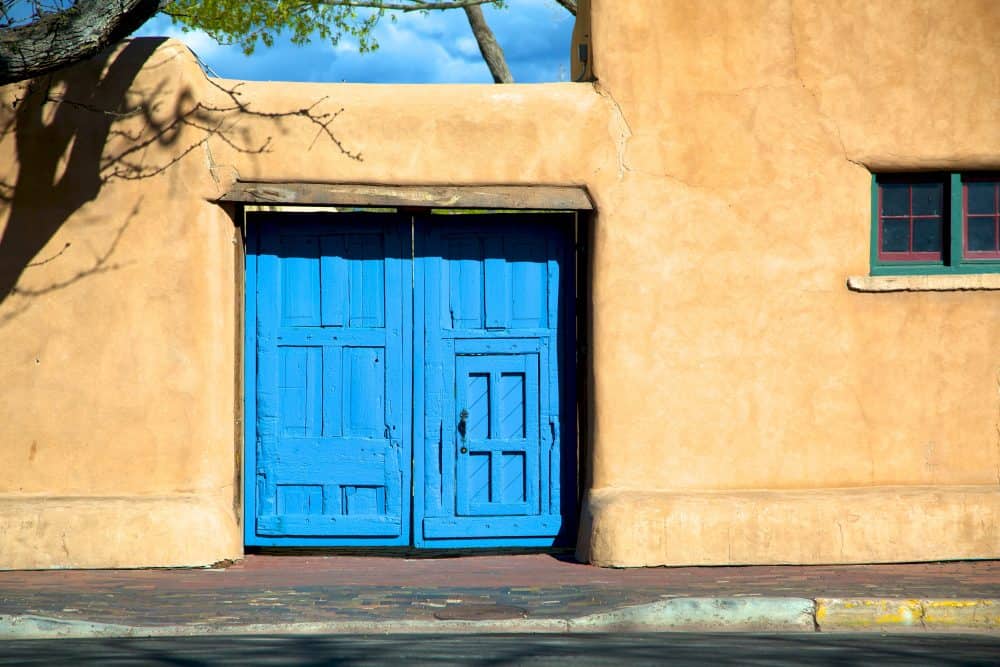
<point x="981" y="206"/>
<point x="932" y="223"/>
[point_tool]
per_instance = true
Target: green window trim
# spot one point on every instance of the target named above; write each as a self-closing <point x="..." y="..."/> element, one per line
<point x="954" y="262"/>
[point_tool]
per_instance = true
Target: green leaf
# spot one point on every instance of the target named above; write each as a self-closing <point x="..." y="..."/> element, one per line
<point x="248" y="23"/>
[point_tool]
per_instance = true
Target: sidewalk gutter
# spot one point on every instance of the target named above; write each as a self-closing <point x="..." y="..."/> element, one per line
<point x="687" y="614"/>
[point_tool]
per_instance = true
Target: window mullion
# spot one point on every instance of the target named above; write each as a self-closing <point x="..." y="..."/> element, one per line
<point x="956" y="221"/>
<point x="909" y="191"/>
<point x="996" y="217"/>
<point x="876" y="227"/>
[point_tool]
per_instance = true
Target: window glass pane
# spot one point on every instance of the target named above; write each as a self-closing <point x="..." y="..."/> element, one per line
<point x="928" y="198"/>
<point x="982" y="234"/>
<point x="895" y="199"/>
<point x="896" y="235"/>
<point x="927" y="234"/>
<point x="981" y="197"/>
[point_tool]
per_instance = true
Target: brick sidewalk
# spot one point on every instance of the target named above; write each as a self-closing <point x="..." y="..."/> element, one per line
<point x="264" y="589"/>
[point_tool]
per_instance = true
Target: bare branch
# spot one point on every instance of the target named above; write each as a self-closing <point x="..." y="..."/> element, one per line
<point x="101" y="264"/>
<point x="488" y="46"/>
<point x="322" y="121"/>
<point x="49" y="259"/>
<point x="209" y="119"/>
<point x="569" y="5"/>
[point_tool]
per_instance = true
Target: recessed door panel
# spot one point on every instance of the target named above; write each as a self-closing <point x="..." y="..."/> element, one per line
<point x="498" y="462"/>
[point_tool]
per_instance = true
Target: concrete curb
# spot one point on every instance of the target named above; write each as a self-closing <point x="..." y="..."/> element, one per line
<point x="41" y="627"/>
<point x="733" y="614"/>
<point x="887" y="614"/>
<point x="691" y="614"/>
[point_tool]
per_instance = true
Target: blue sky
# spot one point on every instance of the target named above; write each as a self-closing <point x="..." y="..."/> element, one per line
<point x="436" y="47"/>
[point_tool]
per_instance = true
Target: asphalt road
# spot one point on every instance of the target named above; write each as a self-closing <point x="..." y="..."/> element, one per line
<point x="492" y="650"/>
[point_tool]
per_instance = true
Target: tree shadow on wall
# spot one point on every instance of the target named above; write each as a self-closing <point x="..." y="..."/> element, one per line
<point x="78" y="130"/>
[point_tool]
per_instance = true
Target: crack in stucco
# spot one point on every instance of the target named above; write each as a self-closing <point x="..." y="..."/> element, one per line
<point x="797" y="74"/>
<point x="840" y="137"/>
<point x="619" y="128"/>
<point x="212" y="167"/>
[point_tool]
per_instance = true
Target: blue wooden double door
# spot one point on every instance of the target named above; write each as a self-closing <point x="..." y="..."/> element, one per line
<point x="410" y="380"/>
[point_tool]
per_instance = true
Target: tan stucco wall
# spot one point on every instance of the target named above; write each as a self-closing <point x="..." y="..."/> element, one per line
<point x="117" y="412"/>
<point x="737" y="381"/>
<point x="116" y="406"/>
<point x="748" y="129"/>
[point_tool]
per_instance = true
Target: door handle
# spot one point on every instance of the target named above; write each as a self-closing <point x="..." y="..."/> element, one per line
<point x="463" y="416"/>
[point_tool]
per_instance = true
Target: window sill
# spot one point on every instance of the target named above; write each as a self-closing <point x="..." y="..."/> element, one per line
<point x="979" y="281"/>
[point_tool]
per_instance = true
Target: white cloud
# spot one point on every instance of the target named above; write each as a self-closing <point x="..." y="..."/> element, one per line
<point x="416" y="48"/>
<point x="467" y="46"/>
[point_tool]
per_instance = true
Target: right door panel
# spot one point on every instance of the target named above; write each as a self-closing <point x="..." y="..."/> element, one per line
<point x="498" y="403"/>
<point x="494" y="300"/>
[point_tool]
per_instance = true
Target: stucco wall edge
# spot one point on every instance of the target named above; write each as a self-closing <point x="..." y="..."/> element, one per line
<point x="190" y="529"/>
<point x="631" y="528"/>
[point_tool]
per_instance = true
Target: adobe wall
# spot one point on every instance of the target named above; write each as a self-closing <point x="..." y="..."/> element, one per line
<point x="117" y="338"/>
<point x="747" y="406"/>
<point x="118" y="411"/>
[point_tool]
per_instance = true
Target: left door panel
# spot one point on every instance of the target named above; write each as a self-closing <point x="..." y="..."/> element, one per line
<point x="332" y="300"/>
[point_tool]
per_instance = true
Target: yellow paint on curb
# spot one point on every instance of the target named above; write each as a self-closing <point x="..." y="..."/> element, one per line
<point x="847" y="614"/>
<point x="950" y="614"/>
<point x="834" y="614"/>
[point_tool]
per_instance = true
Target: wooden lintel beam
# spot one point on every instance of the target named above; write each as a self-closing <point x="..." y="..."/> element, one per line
<point x="547" y="197"/>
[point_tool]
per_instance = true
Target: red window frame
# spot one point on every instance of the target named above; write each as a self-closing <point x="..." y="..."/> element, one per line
<point x="995" y="216"/>
<point x="911" y="255"/>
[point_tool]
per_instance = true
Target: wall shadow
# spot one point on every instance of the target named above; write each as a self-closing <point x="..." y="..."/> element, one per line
<point x="60" y="127"/>
<point x="79" y="129"/>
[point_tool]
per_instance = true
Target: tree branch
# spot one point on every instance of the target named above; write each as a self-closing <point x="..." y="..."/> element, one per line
<point x="65" y="37"/>
<point x="411" y="6"/>
<point x="569" y="5"/>
<point x="488" y="46"/>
